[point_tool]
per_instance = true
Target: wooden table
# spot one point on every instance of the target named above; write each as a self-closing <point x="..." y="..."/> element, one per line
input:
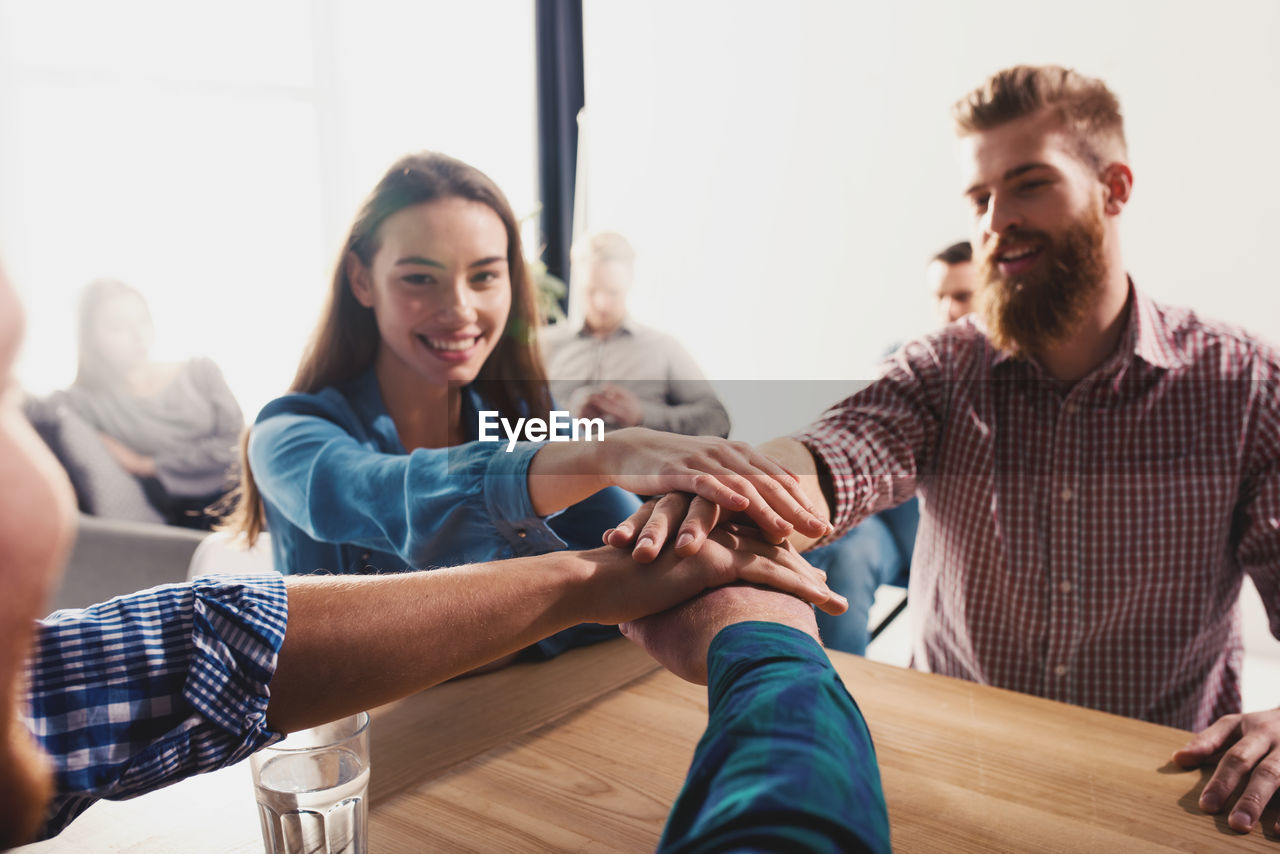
<point x="587" y="752"/>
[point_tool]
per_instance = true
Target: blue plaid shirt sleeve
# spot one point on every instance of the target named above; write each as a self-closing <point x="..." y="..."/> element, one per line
<point x="786" y="763"/>
<point x="144" y="690"/>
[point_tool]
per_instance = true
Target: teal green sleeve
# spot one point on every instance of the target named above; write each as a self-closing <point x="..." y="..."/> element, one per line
<point x="786" y="763"/>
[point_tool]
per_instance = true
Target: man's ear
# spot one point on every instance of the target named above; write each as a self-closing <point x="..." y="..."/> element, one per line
<point x="360" y="279"/>
<point x="1118" y="180"/>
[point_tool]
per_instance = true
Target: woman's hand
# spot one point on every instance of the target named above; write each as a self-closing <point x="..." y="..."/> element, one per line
<point x="732" y="476"/>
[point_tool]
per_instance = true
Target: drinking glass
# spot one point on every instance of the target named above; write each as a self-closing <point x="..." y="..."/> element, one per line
<point x="313" y="789"/>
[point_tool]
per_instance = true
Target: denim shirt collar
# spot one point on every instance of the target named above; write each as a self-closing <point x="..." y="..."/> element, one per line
<point x="365" y="396"/>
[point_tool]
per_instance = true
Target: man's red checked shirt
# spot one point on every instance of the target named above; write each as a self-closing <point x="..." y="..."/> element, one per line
<point x="1083" y="543"/>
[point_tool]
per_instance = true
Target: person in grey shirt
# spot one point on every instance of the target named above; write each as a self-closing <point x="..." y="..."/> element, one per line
<point x="621" y="371"/>
<point x="174" y="426"/>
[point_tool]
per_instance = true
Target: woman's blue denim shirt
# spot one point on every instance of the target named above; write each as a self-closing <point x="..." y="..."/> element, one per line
<point x="341" y="494"/>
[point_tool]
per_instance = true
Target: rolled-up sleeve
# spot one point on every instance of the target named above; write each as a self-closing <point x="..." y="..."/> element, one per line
<point x="878" y="441"/>
<point x="144" y="690"/>
<point x="506" y="496"/>
<point x="336" y="488"/>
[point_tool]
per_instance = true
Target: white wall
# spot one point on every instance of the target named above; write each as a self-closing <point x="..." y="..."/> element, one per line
<point x="786" y="169"/>
<point x="213" y="155"/>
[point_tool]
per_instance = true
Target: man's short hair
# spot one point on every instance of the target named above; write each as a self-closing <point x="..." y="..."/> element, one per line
<point x="956" y="253"/>
<point x="603" y="246"/>
<point x="1088" y="109"/>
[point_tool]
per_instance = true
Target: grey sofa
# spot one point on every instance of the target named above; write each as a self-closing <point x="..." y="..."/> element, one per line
<point x="115" y="556"/>
<point x="122" y="544"/>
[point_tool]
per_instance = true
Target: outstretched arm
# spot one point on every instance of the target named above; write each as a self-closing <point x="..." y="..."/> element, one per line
<point x="733" y="476"/>
<point x="339" y="657"/>
<point x="691" y="517"/>
<point x="786" y="762"/>
<point x="863" y="455"/>
<point x="215" y="669"/>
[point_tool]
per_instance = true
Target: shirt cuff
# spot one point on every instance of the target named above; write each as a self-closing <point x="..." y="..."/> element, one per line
<point x="506" y="496"/>
<point x="836" y="460"/>
<point x="747" y="644"/>
<point x="238" y="625"/>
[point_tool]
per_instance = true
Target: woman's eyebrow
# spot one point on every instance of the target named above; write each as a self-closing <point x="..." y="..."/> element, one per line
<point x="418" y="259"/>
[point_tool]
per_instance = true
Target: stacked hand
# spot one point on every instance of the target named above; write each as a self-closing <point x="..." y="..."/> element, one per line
<point x="680" y="637"/>
<point x="732" y="553"/>
<point x="733" y="476"/>
<point x="691" y="518"/>
<point x="701" y="482"/>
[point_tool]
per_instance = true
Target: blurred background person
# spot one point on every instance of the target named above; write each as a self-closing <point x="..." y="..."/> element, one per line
<point x="878" y="550"/>
<point x="613" y="368"/>
<point x="952" y="281"/>
<point x="173" y="426"/>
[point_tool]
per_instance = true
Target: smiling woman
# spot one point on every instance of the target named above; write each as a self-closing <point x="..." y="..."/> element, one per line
<point x="430" y="293"/>
<point x="371" y="464"/>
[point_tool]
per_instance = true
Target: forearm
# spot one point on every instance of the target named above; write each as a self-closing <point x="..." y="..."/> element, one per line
<point x="336" y="489"/>
<point x="564" y="473"/>
<point x="792" y="455"/>
<point x="806" y="780"/>
<point x="357" y="642"/>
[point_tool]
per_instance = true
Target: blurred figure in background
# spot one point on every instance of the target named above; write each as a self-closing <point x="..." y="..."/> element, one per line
<point x="174" y="426"/>
<point x="616" y="369"/>
<point x="878" y="550"/>
<point x="953" y="281"/>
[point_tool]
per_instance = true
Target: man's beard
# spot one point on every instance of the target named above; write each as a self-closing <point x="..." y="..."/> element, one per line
<point x="1045" y="305"/>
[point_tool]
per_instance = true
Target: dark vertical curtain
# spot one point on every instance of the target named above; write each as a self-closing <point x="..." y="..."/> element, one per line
<point x="561" y="94"/>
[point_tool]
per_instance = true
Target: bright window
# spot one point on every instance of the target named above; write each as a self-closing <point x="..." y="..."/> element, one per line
<point x="212" y="155"/>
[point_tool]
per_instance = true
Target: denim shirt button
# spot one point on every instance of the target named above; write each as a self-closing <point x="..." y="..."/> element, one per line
<point x="521" y="533"/>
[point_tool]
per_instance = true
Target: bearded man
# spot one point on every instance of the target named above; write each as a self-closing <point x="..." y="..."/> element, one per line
<point x="1097" y="472"/>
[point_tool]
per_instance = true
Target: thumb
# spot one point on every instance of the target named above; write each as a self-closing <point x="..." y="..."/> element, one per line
<point x="1207" y="742"/>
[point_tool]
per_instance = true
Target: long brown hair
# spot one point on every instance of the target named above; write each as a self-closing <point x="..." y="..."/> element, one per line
<point x="345" y="340"/>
